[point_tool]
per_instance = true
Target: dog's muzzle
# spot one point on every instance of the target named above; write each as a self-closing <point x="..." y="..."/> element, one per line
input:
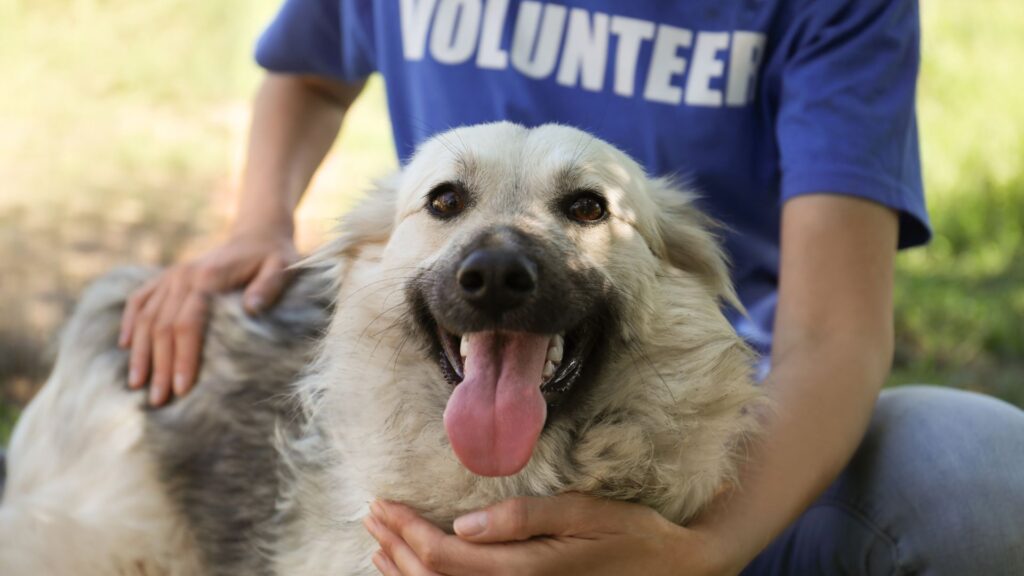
<point x="514" y="326"/>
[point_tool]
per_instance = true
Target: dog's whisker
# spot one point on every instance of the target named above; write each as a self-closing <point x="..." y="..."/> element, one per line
<point x="383" y="313"/>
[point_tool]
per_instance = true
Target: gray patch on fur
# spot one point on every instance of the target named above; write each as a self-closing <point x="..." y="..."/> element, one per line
<point x="215" y="448"/>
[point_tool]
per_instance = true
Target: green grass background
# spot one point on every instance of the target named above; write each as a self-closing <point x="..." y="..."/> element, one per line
<point x="122" y="126"/>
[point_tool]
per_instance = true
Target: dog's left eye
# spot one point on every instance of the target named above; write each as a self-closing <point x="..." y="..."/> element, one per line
<point x="446" y="200"/>
<point x="586" y="208"/>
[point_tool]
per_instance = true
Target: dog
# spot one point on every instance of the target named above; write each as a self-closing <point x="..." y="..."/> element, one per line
<point x="519" y="311"/>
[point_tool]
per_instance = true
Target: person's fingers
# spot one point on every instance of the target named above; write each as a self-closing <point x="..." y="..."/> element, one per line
<point x="267" y="285"/>
<point x="132" y="307"/>
<point x="142" y="338"/>
<point x="163" y="339"/>
<point x="163" y="323"/>
<point x="189" y="326"/>
<point x="401" y="555"/>
<point x="435" y="549"/>
<point x="384" y="564"/>
<point x="527" y="517"/>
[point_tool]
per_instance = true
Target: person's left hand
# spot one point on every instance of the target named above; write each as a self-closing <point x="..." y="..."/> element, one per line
<point x="563" y="535"/>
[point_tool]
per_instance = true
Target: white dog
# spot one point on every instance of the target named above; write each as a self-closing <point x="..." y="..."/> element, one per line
<point x="517" y="312"/>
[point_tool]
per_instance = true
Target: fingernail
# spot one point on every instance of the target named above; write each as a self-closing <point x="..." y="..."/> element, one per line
<point x="133" y="378"/>
<point x="471" y="524"/>
<point x="382" y="562"/>
<point x="180" y="384"/>
<point x="122" y="339"/>
<point x="154" y="395"/>
<point x="255" y="303"/>
<point x="369" y="522"/>
<point x="373" y="526"/>
<point x="376" y="509"/>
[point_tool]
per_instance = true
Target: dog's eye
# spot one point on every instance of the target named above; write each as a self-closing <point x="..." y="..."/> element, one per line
<point x="587" y="208"/>
<point x="446" y="200"/>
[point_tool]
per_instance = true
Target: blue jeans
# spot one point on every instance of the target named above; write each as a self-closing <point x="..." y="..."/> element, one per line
<point x="936" y="488"/>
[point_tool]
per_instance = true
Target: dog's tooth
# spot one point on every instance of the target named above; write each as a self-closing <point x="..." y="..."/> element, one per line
<point x="549" y="370"/>
<point x="464" y="346"/>
<point x="556" y="348"/>
<point x="555" y="354"/>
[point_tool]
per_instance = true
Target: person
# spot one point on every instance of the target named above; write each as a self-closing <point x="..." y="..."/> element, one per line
<point x="796" y="121"/>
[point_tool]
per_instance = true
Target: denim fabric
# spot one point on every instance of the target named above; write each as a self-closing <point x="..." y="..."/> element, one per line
<point x="936" y="488"/>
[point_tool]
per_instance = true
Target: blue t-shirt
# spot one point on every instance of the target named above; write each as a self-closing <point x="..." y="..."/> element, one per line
<point x="751" y="101"/>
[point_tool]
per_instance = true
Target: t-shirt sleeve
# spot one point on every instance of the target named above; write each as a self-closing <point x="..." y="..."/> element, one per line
<point x="846" y="121"/>
<point x="332" y="38"/>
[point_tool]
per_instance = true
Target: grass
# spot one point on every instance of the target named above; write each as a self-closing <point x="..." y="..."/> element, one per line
<point x="123" y="133"/>
<point x="960" y="300"/>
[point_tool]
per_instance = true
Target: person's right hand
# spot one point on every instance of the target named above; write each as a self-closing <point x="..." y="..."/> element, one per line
<point x="164" y="321"/>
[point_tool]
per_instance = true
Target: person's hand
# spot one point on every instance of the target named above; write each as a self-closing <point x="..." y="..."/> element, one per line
<point x="164" y="320"/>
<point x="561" y="535"/>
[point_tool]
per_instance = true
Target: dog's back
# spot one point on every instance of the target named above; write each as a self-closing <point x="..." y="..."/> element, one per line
<point x="99" y="484"/>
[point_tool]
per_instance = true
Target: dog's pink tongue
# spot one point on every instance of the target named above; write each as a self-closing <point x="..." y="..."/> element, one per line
<point x="496" y="414"/>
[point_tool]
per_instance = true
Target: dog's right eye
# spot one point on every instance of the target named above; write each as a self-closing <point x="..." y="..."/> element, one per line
<point x="446" y="200"/>
<point x="586" y="207"/>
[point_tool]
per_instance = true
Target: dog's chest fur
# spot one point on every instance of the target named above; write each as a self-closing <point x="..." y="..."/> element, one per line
<point x="661" y="426"/>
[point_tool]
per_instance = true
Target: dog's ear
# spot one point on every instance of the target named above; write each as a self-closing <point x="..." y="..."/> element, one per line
<point x="369" y="223"/>
<point x="687" y="239"/>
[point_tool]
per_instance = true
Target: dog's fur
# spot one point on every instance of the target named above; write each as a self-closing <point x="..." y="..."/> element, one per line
<point x="247" y="475"/>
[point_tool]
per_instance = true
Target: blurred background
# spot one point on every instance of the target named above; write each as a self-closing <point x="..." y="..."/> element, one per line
<point x="123" y="125"/>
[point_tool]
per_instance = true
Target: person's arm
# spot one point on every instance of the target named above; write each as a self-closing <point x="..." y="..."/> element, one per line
<point x="295" y="121"/>
<point x="832" y="353"/>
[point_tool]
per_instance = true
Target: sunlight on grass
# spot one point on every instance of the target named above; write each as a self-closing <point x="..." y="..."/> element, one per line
<point x="972" y="122"/>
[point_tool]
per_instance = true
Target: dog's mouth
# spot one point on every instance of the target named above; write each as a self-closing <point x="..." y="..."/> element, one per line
<point x="504" y="383"/>
<point x="564" y="359"/>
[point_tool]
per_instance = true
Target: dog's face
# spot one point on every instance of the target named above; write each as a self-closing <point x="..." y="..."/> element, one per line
<point x="522" y="248"/>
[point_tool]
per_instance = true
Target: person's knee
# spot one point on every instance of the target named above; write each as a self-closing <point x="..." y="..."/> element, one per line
<point x="948" y="437"/>
<point x="951" y="466"/>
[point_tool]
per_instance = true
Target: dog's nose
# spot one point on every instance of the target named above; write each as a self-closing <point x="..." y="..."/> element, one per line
<point x="497" y="279"/>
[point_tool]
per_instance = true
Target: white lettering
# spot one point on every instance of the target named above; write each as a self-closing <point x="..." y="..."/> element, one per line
<point x="631" y="33"/>
<point x="744" y="62"/>
<point x="706" y="66"/>
<point x="666" y="64"/>
<point x="539" y="62"/>
<point x="415" y="16"/>
<point x="491" y="55"/>
<point x="456" y="27"/>
<point x="585" y="54"/>
<point x="578" y="42"/>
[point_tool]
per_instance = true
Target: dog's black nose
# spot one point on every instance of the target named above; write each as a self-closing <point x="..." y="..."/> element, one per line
<point x="497" y="279"/>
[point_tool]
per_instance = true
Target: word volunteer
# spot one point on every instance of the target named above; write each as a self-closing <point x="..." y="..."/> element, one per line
<point x="700" y="68"/>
